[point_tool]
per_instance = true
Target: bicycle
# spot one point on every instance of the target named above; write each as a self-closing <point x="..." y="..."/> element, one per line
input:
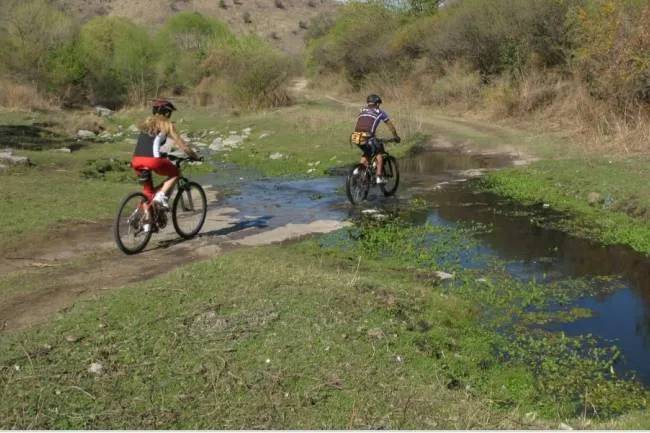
<point x="188" y="212"/>
<point x="362" y="176"/>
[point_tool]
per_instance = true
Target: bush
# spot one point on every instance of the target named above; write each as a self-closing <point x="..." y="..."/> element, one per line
<point x="119" y="59"/>
<point x="185" y="41"/>
<point x="613" y="54"/>
<point x="357" y="42"/>
<point x="33" y="31"/>
<point x="502" y="35"/>
<point x="250" y="72"/>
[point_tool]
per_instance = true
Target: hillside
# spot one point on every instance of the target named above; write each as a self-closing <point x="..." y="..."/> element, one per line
<point x="281" y="22"/>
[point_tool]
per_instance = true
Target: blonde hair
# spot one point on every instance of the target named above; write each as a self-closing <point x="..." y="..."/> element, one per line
<point x="153" y="125"/>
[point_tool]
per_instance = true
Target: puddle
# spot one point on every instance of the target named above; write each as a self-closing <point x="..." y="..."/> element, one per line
<point x="622" y="316"/>
<point x="438" y="178"/>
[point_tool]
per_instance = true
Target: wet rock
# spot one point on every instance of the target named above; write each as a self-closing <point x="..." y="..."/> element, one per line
<point x="276" y="155"/>
<point x="84" y="133"/>
<point x="594" y="198"/>
<point x="103" y="111"/>
<point x="96" y="368"/>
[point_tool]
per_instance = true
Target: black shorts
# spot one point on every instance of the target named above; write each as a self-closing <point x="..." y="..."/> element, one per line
<point x="371" y="148"/>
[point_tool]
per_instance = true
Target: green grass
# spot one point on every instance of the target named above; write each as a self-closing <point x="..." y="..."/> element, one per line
<point x="618" y="211"/>
<point x="327" y="333"/>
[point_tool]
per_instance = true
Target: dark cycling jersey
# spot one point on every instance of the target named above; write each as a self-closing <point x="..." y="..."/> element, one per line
<point x="369" y="118"/>
<point x="149" y="145"/>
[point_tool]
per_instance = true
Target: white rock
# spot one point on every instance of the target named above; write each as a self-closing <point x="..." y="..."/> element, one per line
<point x="96" y="368"/>
<point x="443" y="275"/>
<point x="233" y="132"/>
<point x="233" y="141"/>
<point x="103" y="111"/>
<point x="84" y="133"/>
<point x="276" y="155"/>
<point x="217" y="145"/>
<point x="247" y="131"/>
<point x="264" y="135"/>
<point x="7" y="157"/>
<point x="200" y="144"/>
<point x="311" y="170"/>
<point x="63" y="150"/>
<point x="133" y="128"/>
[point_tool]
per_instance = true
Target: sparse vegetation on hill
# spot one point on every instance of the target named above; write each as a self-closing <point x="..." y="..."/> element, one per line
<point x="584" y="65"/>
<point x="112" y="61"/>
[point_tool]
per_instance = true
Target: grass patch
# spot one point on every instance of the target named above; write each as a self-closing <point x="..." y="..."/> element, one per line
<point x="350" y="330"/>
<point x="607" y="199"/>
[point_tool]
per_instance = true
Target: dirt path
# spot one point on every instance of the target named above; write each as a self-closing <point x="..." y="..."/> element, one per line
<point x="81" y="260"/>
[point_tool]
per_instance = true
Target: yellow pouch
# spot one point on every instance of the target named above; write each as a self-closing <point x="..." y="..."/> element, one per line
<point x="359" y="138"/>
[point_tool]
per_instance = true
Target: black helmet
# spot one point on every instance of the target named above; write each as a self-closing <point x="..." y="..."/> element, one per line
<point x="373" y="99"/>
<point x="163" y="107"/>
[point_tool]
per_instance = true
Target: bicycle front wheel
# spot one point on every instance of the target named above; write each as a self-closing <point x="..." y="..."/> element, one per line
<point x="391" y="174"/>
<point x="189" y="210"/>
<point x="128" y="228"/>
<point x="357" y="184"/>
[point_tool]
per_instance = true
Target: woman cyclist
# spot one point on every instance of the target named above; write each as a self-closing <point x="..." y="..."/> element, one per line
<point x="147" y="156"/>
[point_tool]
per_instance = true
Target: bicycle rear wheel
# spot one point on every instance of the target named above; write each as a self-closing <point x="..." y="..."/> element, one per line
<point x="128" y="228"/>
<point x="357" y="184"/>
<point x="391" y="174"/>
<point x="189" y="210"/>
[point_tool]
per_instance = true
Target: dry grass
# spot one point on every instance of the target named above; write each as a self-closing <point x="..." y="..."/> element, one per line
<point x="14" y="96"/>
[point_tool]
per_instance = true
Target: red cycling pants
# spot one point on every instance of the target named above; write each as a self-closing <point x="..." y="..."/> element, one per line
<point x="161" y="166"/>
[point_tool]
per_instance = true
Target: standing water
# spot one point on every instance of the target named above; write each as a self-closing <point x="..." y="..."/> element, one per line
<point x="622" y="314"/>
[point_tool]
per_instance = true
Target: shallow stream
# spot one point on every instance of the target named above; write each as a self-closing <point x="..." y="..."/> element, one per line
<point x="622" y="312"/>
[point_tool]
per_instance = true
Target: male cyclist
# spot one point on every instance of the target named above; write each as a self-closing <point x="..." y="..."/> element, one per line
<point x="147" y="156"/>
<point x="364" y="134"/>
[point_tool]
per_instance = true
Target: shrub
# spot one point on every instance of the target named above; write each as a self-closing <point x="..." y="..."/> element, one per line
<point x="613" y="50"/>
<point x="119" y="59"/>
<point x="354" y="45"/>
<point x="185" y="41"/>
<point x="250" y="72"/>
<point x="502" y="35"/>
<point x="21" y="96"/>
<point x="33" y="30"/>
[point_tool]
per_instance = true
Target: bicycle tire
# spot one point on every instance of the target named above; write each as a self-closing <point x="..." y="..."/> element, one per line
<point x="391" y="174"/>
<point x="146" y="236"/>
<point x="180" y="200"/>
<point x="357" y="185"/>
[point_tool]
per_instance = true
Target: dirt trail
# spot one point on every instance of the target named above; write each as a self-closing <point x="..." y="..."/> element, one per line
<point x="82" y="260"/>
